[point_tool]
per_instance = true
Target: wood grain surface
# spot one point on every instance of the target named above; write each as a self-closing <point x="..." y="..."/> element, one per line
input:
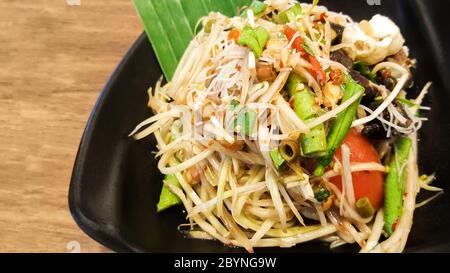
<point x="54" y="60"/>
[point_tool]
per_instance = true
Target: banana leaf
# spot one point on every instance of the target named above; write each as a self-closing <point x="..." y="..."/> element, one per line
<point x="170" y="25"/>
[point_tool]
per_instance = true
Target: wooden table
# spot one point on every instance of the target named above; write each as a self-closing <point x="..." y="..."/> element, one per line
<point x="54" y="60"/>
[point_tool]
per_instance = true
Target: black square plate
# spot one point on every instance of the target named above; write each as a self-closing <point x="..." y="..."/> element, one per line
<point x="115" y="182"/>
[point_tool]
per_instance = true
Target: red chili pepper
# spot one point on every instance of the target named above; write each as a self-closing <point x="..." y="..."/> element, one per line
<point x="316" y="69"/>
<point x="394" y="225"/>
<point x="322" y="18"/>
<point x="298" y="42"/>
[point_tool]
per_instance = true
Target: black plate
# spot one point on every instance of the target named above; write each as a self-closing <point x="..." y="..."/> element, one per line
<point x="115" y="182"/>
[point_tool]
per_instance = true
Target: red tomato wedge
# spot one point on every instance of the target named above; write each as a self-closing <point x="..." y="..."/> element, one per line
<point x="366" y="183"/>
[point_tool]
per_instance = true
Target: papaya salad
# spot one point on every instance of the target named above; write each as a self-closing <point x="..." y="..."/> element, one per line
<point x="290" y="123"/>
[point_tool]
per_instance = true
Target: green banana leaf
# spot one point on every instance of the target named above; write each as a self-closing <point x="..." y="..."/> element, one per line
<point x="170" y="25"/>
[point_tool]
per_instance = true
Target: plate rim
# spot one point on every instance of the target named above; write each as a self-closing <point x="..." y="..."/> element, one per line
<point x="109" y="238"/>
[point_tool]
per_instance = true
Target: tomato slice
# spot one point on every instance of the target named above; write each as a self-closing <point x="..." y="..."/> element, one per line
<point x="366" y="183"/>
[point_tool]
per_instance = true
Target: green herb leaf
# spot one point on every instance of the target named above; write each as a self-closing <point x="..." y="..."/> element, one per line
<point x="170" y="25"/>
<point x="407" y="102"/>
<point x="363" y="68"/>
<point x="322" y="194"/>
<point x="307" y="49"/>
<point x="411" y="104"/>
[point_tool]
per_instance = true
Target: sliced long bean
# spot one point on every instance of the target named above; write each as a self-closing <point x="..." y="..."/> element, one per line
<point x="256" y="6"/>
<point x="393" y="188"/>
<point x="314" y="143"/>
<point x="167" y="198"/>
<point x="290" y="15"/>
<point x="341" y="125"/>
<point x="278" y="161"/>
<point x="294" y="83"/>
<point x="304" y="104"/>
<point x="254" y="38"/>
<point x="289" y="150"/>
